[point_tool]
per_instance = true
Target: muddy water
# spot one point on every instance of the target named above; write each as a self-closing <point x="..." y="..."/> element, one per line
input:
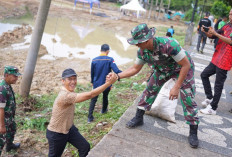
<point x="79" y="39"/>
<point x="4" y="27"/>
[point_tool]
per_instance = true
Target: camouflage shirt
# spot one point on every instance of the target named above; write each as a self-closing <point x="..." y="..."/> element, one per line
<point x="164" y="57"/>
<point x="7" y="101"/>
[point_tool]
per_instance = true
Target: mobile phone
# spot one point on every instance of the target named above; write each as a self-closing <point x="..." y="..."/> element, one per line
<point x="206" y="29"/>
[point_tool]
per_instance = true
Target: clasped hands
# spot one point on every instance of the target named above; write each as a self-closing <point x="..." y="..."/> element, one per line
<point x="111" y="78"/>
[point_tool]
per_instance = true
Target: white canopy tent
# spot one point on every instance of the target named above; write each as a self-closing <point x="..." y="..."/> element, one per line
<point x="134" y="6"/>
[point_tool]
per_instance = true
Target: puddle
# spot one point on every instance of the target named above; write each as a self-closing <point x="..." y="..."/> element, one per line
<point x="5" y="27"/>
<point x="78" y="39"/>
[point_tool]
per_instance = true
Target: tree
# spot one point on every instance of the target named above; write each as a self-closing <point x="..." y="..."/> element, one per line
<point x="151" y="7"/>
<point x="227" y="2"/>
<point x="220" y="9"/>
<point x="181" y="5"/>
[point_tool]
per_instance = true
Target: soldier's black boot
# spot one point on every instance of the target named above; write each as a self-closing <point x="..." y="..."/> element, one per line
<point x="193" y="139"/>
<point x="137" y="120"/>
<point x="12" y="146"/>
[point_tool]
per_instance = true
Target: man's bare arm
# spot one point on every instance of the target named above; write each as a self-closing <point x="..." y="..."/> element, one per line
<point x="88" y="95"/>
<point x="212" y="32"/>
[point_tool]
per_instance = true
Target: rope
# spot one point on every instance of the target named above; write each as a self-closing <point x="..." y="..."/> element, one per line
<point x="56" y="24"/>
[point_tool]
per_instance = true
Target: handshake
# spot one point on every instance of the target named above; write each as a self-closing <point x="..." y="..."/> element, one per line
<point x="111" y="78"/>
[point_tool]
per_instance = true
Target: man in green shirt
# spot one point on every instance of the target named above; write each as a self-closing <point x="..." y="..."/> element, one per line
<point x="7" y="109"/>
<point x="222" y="23"/>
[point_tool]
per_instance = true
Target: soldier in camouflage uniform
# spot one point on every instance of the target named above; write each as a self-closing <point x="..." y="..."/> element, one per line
<point x="167" y="60"/>
<point x="7" y="109"/>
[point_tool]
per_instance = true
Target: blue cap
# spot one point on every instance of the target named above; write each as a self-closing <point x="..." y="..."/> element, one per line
<point x="105" y="47"/>
<point x="68" y="73"/>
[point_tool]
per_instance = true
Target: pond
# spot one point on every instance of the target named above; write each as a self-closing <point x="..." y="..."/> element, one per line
<point x="75" y="39"/>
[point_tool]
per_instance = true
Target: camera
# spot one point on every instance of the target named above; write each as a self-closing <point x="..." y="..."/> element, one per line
<point x="206" y="29"/>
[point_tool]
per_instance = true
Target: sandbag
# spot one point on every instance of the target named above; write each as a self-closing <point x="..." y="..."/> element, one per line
<point x="163" y="107"/>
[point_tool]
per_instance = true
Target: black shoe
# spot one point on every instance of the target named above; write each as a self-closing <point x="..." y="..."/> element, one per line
<point x="104" y="111"/>
<point x="230" y="110"/>
<point x="201" y="51"/>
<point x="12" y="146"/>
<point x="137" y="120"/>
<point x="134" y="123"/>
<point x="193" y="139"/>
<point x="90" y="119"/>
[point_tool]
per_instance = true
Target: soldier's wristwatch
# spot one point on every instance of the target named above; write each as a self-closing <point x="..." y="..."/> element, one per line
<point x="118" y="77"/>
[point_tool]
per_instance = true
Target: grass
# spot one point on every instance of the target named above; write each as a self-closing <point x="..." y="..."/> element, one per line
<point x="26" y="18"/>
<point x="122" y="95"/>
<point x="179" y="34"/>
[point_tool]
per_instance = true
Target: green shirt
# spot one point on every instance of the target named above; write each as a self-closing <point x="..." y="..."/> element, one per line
<point x="221" y="24"/>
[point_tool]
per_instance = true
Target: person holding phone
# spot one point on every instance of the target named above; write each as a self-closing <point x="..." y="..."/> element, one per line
<point x="220" y="64"/>
<point x="201" y="35"/>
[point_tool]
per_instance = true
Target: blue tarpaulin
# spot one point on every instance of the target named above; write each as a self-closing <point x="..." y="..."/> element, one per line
<point x="90" y="2"/>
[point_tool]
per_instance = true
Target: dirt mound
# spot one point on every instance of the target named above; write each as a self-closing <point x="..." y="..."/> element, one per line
<point x="15" y="36"/>
<point x="15" y="8"/>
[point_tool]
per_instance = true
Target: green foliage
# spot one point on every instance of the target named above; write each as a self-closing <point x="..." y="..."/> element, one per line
<point x="28" y="14"/>
<point x="181" y="5"/>
<point x="188" y="16"/>
<point x="26" y="18"/>
<point x="138" y="87"/>
<point x="220" y="9"/>
<point x="45" y="101"/>
<point x="38" y="123"/>
<point x="227" y="2"/>
<point x="179" y="34"/>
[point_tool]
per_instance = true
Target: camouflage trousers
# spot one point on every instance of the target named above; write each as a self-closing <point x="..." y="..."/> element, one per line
<point x="187" y="94"/>
<point x="8" y="137"/>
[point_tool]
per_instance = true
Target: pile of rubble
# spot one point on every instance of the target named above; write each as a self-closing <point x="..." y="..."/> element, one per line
<point x="14" y="36"/>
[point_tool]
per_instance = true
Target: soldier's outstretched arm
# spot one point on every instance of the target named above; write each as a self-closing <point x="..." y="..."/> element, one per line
<point x="130" y="71"/>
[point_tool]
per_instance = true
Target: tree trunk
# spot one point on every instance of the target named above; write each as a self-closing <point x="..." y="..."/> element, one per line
<point x="156" y="6"/>
<point x="169" y="4"/>
<point x="151" y="7"/>
<point x="124" y="2"/>
<point x="160" y="7"/>
<point x="34" y="48"/>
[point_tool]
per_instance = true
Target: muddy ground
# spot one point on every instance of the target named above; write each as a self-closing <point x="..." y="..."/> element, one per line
<point x="47" y="73"/>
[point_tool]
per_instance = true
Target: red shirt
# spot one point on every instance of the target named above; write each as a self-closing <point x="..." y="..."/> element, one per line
<point x="222" y="57"/>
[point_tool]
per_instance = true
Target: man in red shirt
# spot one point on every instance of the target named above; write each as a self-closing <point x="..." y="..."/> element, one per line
<point x="221" y="63"/>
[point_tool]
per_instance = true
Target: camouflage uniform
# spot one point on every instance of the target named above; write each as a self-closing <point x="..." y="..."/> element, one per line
<point x="163" y="54"/>
<point x="163" y="61"/>
<point x="7" y="101"/>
